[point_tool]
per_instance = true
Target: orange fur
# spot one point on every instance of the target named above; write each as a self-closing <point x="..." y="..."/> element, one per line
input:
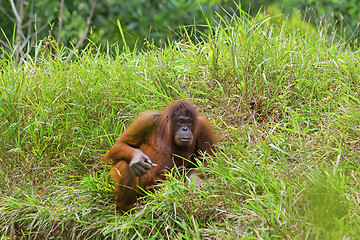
<point x="151" y="133"/>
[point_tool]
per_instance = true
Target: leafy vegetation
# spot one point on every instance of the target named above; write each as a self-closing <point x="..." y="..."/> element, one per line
<point x="24" y="23"/>
<point x="284" y="100"/>
<point x="75" y="23"/>
<point x="342" y="16"/>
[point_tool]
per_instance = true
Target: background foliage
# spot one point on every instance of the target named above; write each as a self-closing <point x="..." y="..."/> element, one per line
<point x="147" y="21"/>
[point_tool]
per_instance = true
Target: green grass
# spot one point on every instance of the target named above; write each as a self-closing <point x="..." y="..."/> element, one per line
<point x="285" y="103"/>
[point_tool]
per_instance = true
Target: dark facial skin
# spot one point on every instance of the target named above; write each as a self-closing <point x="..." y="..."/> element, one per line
<point x="183" y="128"/>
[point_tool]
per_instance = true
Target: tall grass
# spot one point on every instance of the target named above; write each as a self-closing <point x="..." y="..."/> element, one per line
<point x="285" y="102"/>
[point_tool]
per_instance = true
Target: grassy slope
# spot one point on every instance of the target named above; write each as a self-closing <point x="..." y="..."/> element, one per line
<point x="286" y="106"/>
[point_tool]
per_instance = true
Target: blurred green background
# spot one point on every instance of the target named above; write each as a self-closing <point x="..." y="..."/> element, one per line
<point x="65" y="22"/>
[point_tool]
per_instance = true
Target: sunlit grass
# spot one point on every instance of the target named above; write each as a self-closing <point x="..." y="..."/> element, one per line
<point x="285" y="103"/>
